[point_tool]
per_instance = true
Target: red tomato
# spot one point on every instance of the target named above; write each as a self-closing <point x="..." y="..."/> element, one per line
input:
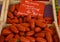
<point x="10" y="36"/>
<point x="14" y="29"/>
<point x="6" y="32"/>
<point x="10" y="15"/>
<point x="12" y="8"/>
<point x="1" y="38"/>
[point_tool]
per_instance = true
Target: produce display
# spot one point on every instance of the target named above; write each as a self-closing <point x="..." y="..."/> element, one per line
<point x="29" y="23"/>
<point x="29" y="32"/>
<point x="16" y="15"/>
<point x="21" y="11"/>
<point x="12" y="16"/>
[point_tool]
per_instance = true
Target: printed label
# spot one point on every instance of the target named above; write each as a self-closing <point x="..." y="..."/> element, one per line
<point x="34" y="8"/>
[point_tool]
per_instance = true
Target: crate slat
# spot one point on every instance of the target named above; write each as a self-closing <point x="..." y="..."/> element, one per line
<point x="55" y="18"/>
<point x="5" y="11"/>
<point x="2" y="11"/>
<point x="11" y="1"/>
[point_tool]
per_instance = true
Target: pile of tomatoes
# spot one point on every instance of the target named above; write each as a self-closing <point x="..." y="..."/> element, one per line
<point x="29" y="32"/>
<point x="27" y="28"/>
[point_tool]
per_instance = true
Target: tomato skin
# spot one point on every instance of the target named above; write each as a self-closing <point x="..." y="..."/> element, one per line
<point x="40" y="34"/>
<point x="10" y="15"/>
<point x="56" y="38"/>
<point x="21" y="28"/>
<point x="10" y="36"/>
<point x="15" y="12"/>
<point x="23" y="39"/>
<point x="25" y="19"/>
<point x="2" y="38"/>
<point x="37" y="29"/>
<point x="12" y="8"/>
<point x="9" y="21"/>
<point x="17" y="6"/>
<point x="59" y="17"/>
<point x="53" y="30"/>
<point x="32" y="23"/>
<point x="13" y="40"/>
<point x="25" y="24"/>
<point x="27" y="29"/>
<point x="38" y="39"/>
<point x="40" y="17"/>
<point x="48" y="30"/>
<point x="28" y="18"/>
<point x="41" y="24"/>
<point x="17" y="36"/>
<point x="48" y="20"/>
<point x="15" y="20"/>
<point x="20" y="20"/>
<point x="49" y="37"/>
<point x="6" y="32"/>
<point x="31" y="39"/>
<point x="30" y="33"/>
<point x="21" y="33"/>
<point x="14" y="29"/>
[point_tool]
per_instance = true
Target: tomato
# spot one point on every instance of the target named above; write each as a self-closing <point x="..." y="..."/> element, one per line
<point x="21" y="28"/>
<point x="37" y="29"/>
<point x="31" y="39"/>
<point x="10" y="36"/>
<point x="14" y="29"/>
<point x="41" y="24"/>
<point x="32" y="23"/>
<point x="38" y="39"/>
<point x="23" y="39"/>
<point x="22" y="34"/>
<point x="49" y="37"/>
<point x="56" y="38"/>
<point x="2" y="38"/>
<point x="15" y="20"/>
<point x="12" y="8"/>
<point x="10" y="15"/>
<point x="9" y="21"/>
<point x="6" y="32"/>
<point x="40" y="34"/>
<point x="25" y="24"/>
<point x="30" y="33"/>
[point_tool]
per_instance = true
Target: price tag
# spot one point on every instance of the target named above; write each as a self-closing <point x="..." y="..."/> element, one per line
<point x="31" y="7"/>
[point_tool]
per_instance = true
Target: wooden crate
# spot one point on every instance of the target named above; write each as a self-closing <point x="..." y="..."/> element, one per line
<point x="55" y="18"/>
<point x="3" y="9"/>
<point x="15" y="2"/>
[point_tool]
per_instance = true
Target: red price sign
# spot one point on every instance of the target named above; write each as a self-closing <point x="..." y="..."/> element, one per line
<point x="33" y="7"/>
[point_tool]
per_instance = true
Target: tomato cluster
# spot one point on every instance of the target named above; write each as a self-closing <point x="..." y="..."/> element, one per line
<point x="28" y="28"/>
<point x="29" y="32"/>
